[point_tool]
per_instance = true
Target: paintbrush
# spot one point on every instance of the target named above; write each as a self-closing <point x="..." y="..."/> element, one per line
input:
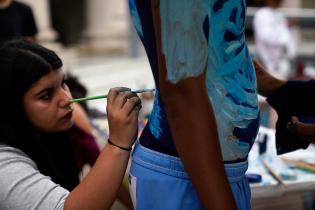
<point x="300" y="164"/>
<point x="274" y="174"/>
<point x="105" y="96"/>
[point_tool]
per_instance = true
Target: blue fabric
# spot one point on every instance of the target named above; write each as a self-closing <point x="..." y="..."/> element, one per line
<point x="159" y="181"/>
<point x="230" y="77"/>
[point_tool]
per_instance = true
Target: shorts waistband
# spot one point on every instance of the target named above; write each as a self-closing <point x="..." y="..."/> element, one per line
<point x="173" y="165"/>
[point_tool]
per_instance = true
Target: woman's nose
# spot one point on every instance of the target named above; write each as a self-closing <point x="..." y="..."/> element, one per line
<point x="64" y="100"/>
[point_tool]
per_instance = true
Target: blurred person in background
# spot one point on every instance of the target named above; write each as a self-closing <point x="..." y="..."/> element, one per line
<point x="16" y="20"/>
<point x="275" y="44"/>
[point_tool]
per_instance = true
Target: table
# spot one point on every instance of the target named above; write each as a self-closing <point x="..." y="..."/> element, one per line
<point x="269" y="194"/>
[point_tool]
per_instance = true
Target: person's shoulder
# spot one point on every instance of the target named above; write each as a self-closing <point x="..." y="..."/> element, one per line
<point x="23" y="186"/>
<point x="21" y="6"/>
<point x="10" y="154"/>
<point x="8" y="150"/>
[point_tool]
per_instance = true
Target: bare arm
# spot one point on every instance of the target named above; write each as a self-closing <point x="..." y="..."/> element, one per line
<point x="194" y="131"/>
<point x="267" y="84"/>
<point x="81" y="119"/>
<point x="99" y="188"/>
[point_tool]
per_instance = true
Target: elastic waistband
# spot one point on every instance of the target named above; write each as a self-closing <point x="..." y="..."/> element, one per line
<point x="173" y="165"/>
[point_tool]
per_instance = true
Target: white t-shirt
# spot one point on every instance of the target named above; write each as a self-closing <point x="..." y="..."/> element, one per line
<point x="22" y="186"/>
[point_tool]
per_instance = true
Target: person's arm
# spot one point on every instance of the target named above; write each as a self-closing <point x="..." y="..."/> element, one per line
<point x="194" y="131"/>
<point x="266" y="83"/>
<point x="99" y="188"/>
<point x="89" y="150"/>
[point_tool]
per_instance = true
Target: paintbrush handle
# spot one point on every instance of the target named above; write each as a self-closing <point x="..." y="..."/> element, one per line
<point x="274" y="174"/>
<point x="105" y="96"/>
<point x="301" y="164"/>
<point x="88" y="98"/>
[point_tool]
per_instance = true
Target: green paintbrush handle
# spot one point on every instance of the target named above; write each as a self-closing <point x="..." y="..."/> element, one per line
<point x="105" y="96"/>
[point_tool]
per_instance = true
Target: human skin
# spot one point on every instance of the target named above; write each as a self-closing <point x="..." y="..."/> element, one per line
<point x="4" y="3"/>
<point x="47" y="104"/>
<point x="47" y="107"/>
<point x="196" y="140"/>
<point x="98" y="189"/>
<point x="267" y="84"/>
<point x="82" y="120"/>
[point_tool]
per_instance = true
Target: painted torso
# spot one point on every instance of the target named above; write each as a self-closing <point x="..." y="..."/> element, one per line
<point x="221" y="50"/>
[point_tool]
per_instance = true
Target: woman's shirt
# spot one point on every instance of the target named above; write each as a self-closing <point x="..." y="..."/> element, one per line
<point x="22" y="186"/>
<point x="85" y="146"/>
<point x="196" y="36"/>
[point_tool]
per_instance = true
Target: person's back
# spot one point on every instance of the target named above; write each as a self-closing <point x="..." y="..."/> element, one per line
<point x="230" y="82"/>
<point x="230" y="78"/>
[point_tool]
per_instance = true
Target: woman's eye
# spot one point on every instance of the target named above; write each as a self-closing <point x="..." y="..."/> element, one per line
<point x="46" y="96"/>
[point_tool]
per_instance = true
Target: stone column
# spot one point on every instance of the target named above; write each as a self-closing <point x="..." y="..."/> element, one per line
<point x="308" y="3"/>
<point x="43" y="20"/>
<point x="107" y="25"/>
<point x="47" y="36"/>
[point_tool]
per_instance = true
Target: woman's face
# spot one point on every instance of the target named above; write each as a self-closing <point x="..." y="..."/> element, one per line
<point x="46" y="103"/>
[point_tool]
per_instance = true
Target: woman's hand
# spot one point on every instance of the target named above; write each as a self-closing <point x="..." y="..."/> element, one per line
<point x="304" y="131"/>
<point x="99" y="188"/>
<point x="122" y="111"/>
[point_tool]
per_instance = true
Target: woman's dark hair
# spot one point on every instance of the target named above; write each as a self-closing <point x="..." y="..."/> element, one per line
<point x="22" y="63"/>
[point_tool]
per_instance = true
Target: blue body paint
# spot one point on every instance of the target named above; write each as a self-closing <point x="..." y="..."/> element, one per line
<point x="183" y="41"/>
<point x="156" y="118"/>
<point x="136" y="18"/>
<point x="200" y="35"/>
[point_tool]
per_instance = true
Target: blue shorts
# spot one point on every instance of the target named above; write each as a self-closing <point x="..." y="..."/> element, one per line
<point x="159" y="182"/>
